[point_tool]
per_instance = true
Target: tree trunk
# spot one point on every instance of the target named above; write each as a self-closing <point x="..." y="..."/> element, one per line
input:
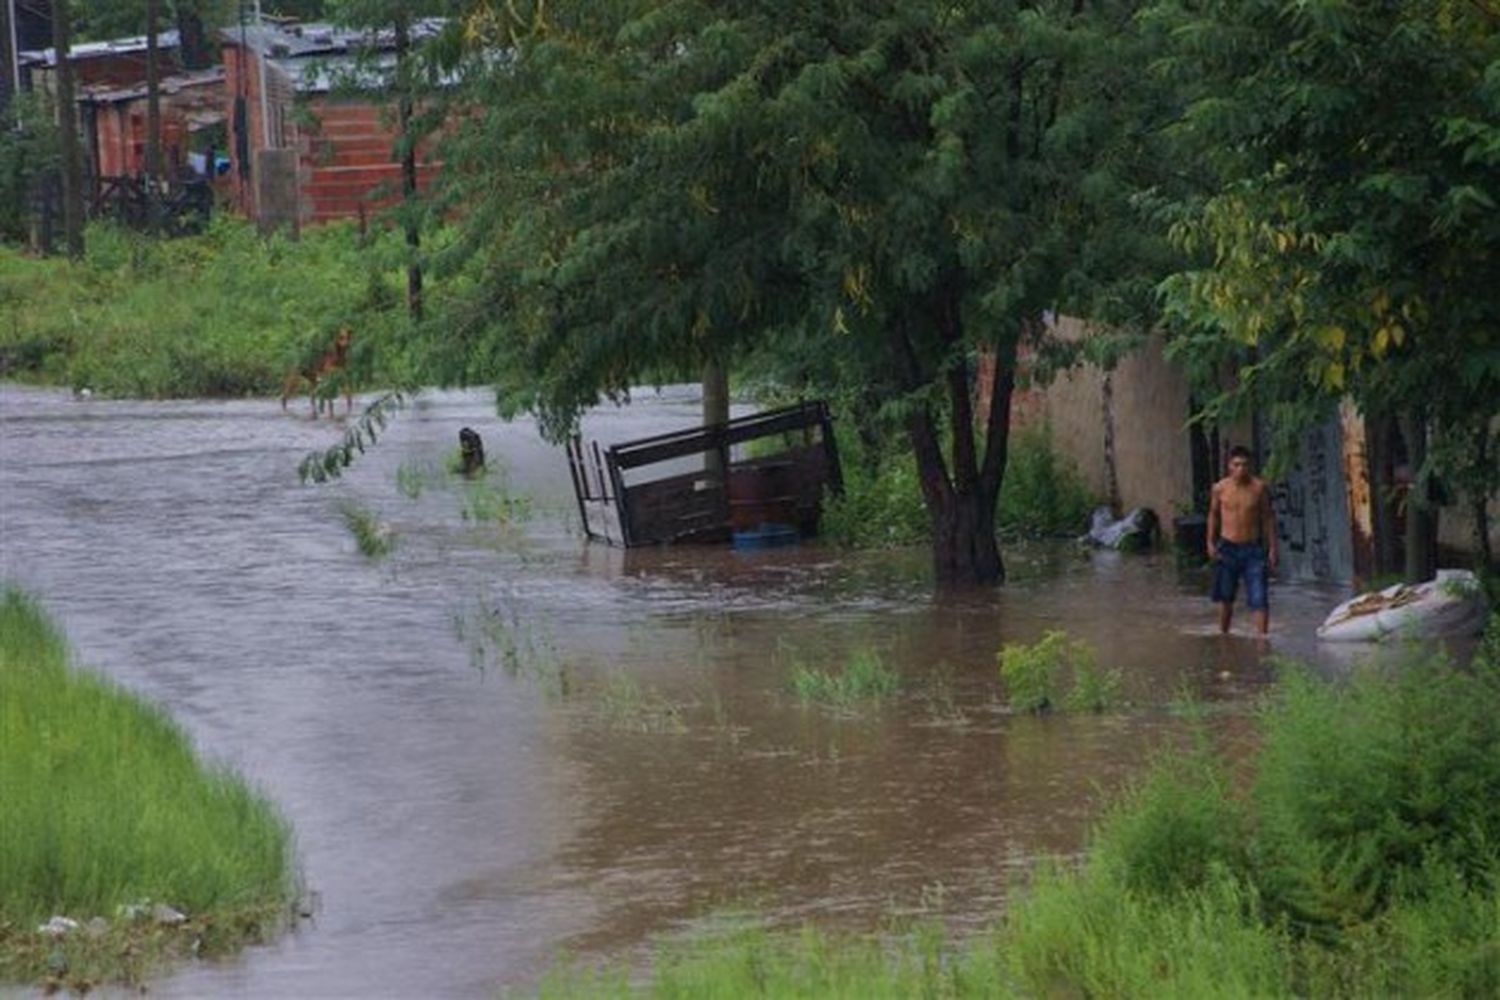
<point x="964" y="548"/>
<point x="715" y="409"/>
<point x="1483" y="556"/>
<point x="961" y="507"/>
<point x="1421" y="517"/>
<point x="67" y="127"/>
<point x="408" y="169"/>
<point x="1379" y="442"/>
<point x="1111" y="466"/>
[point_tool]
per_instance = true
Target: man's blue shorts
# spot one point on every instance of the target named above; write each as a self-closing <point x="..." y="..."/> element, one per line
<point x="1235" y="560"/>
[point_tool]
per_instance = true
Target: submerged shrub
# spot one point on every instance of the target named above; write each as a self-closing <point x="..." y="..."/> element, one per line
<point x="374" y="538"/>
<point x="1034" y="675"/>
<point x="865" y="678"/>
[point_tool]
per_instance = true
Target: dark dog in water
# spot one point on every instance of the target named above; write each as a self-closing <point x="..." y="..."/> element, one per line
<point x="470" y="451"/>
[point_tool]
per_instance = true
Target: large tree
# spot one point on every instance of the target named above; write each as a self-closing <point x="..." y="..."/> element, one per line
<point x="1350" y="240"/>
<point x="906" y="184"/>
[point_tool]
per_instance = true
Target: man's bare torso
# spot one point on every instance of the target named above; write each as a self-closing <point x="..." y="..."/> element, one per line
<point x="1241" y="509"/>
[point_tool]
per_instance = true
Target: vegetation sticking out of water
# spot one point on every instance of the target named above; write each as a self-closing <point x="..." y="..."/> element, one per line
<point x="374" y="538"/>
<point x="626" y="705"/>
<point x="495" y="635"/>
<point x="864" y="680"/>
<point x="1034" y="676"/>
<point x="111" y="821"/>
<point x="488" y="500"/>
<point x="1360" y="861"/>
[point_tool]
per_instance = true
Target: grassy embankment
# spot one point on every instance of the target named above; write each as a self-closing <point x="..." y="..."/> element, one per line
<point x="110" y="820"/>
<point x="1358" y="857"/>
<point x="227" y="313"/>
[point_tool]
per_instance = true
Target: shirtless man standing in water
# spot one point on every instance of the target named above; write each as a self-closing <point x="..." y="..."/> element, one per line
<point x="1241" y="540"/>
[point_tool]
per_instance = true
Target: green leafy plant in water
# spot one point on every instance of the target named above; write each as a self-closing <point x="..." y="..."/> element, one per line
<point x="1093" y="689"/>
<point x="374" y="538"/>
<point x="488" y="500"/>
<point x="1034" y="674"/>
<point x="626" y="705"/>
<point x="413" y="478"/>
<point x="864" y="679"/>
<point x="493" y="633"/>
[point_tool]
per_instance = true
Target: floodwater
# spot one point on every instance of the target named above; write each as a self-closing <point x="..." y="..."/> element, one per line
<point x="502" y="744"/>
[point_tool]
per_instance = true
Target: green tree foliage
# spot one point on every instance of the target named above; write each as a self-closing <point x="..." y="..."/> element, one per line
<point x="28" y="152"/>
<point x="1346" y="237"/>
<point x="890" y="189"/>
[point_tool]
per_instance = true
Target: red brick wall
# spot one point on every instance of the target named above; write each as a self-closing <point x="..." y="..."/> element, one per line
<point x="344" y="152"/>
<point x="346" y="161"/>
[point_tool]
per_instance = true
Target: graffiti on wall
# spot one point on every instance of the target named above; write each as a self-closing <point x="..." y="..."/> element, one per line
<point x="1306" y="504"/>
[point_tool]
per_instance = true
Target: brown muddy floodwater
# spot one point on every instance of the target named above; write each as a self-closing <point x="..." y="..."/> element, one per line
<point x="503" y="743"/>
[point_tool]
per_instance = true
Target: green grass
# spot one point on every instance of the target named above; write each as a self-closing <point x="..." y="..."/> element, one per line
<point x="865" y="679"/>
<point x="487" y="499"/>
<point x="106" y="805"/>
<point x="227" y="313"/>
<point x="753" y="962"/>
<point x="625" y="705"/>
<point x="1362" y="858"/>
<point x="374" y="538"/>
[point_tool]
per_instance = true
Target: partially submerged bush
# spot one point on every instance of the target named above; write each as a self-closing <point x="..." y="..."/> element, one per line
<point x="865" y="678"/>
<point x="1035" y="674"/>
<point x="373" y="537"/>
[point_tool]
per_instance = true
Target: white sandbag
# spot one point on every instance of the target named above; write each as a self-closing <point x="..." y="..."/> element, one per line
<point x="1450" y="606"/>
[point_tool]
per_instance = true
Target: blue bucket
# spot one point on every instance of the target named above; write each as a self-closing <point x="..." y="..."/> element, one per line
<point x="766" y="536"/>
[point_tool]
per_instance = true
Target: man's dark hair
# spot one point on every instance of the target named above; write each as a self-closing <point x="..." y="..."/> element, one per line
<point x="1240" y="451"/>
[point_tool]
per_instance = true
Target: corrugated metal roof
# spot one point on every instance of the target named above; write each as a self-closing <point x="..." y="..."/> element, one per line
<point x="98" y="50"/>
<point x="169" y="85"/>
<point x="302" y="41"/>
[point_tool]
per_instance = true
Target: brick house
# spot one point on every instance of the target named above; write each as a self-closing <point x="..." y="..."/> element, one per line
<point x="307" y="145"/>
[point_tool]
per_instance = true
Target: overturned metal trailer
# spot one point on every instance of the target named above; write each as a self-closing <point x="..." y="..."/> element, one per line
<point x="703" y="484"/>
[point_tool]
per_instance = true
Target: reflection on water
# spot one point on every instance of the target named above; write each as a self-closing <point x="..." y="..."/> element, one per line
<point x="432" y="724"/>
